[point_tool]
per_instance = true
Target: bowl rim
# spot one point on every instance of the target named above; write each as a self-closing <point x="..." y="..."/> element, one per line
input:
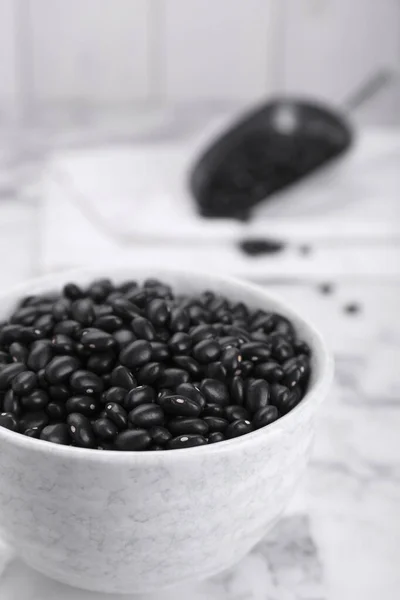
<point x="318" y="389"/>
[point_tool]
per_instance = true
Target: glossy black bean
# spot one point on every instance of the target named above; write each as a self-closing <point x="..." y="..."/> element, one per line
<point x="123" y="337"/>
<point x="282" y="351"/>
<point x="238" y="428"/>
<point x="5" y="358"/>
<point x="255" y="351"/>
<point x="122" y="377"/>
<point x="57" y="434"/>
<point x="24" y="383"/>
<point x="100" y="289"/>
<point x="114" y="394"/>
<point x="59" y="392"/>
<point x="37" y="418"/>
<point x="55" y="409"/>
<point x="158" y="312"/>
<point x="213" y="410"/>
<point x="285" y="327"/>
<point x="171" y="378"/>
<point x="146" y="416"/>
<point x="36" y="400"/>
<point x="133" y="439"/>
<point x="228" y="341"/>
<point x="136" y="354"/>
<point x="60" y="368"/>
<point x="83" y="404"/>
<point x="236" y="389"/>
<point x="143" y="329"/>
<point x="125" y="309"/>
<point x="187" y="363"/>
<point x="10" y="334"/>
<point x="245" y="369"/>
<point x="18" y="352"/>
<point x="179" y="406"/>
<point x="179" y="320"/>
<point x="142" y="394"/>
<point x="216" y="436"/>
<point x="231" y="359"/>
<point x="25" y="316"/>
<point x="40" y="355"/>
<point x="86" y="382"/>
<point x="11" y="403"/>
<point x="82" y="310"/>
<point x="159" y="351"/>
<point x="189" y="390"/>
<point x="101" y="363"/>
<point x="160" y="435"/>
<point x="301" y="347"/>
<point x="149" y="373"/>
<point x="72" y="291"/>
<point x="42" y="381"/>
<point x="9" y="372"/>
<point x="271" y="371"/>
<point x="68" y="327"/>
<point x="43" y="326"/>
<point x="265" y="416"/>
<point x="62" y="344"/>
<point x="179" y="426"/>
<point x="215" y="370"/>
<point x="235" y="412"/>
<point x="117" y="414"/>
<point x="104" y="428"/>
<point x="61" y="309"/>
<point x="163" y="335"/>
<point x="9" y="421"/>
<point x="292" y="376"/>
<point x="206" y="351"/>
<point x="33" y="433"/>
<point x="80" y="430"/>
<point x="264" y="321"/>
<point x="215" y="392"/>
<point x="201" y="333"/>
<point x="180" y="343"/>
<point x="279" y="394"/>
<point x="216" y="423"/>
<point x="109" y="323"/>
<point x="127" y="286"/>
<point x="286" y="402"/>
<point x="257" y="395"/>
<point x="186" y="441"/>
<point x="138" y="297"/>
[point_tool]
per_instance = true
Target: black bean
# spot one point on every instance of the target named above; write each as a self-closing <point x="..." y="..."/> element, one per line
<point x="104" y="428"/>
<point x="160" y="435"/>
<point x="171" y="378"/>
<point x="213" y="410"/>
<point x="285" y="402"/>
<point x="279" y="394"/>
<point x="255" y="351"/>
<point x="285" y="327"/>
<point x="179" y="320"/>
<point x="33" y="433"/>
<point x="97" y="340"/>
<point x="147" y="415"/>
<point x="264" y="321"/>
<point x="55" y="410"/>
<point x="40" y="355"/>
<point x="68" y="327"/>
<point x="158" y="312"/>
<point x="138" y="297"/>
<point x="42" y="381"/>
<point x="133" y="439"/>
<point x="59" y="392"/>
<point x="80" y="430"/>
<point x="44" y="325"/>
<point x="237" y="428"/>
<point x="100" y="289"/>
<point x="82" y="310"/>
<point x="114" y="394"/>
<point x="143" y="329"/>
<point x="24" y="383"/>
<point x="83" y="404"/>
<point x="228" y="341"/>
<point x="163" y="335"/>
<point x="180" y="343"/>
<point x="125" y="309"/>
<point x="257" y="395"/>
<point x="57" y="433"/>
<point x="215" y="370"/>
<point x="61" y="309"/>
<point x="215" y="391"/>
<point x="216" y="423"/>
<point x="11" y="403"/>
<point x="236" y="389"/>
<point x="9" y="421"/>
<point x="62" y="344"/>
<point x="301" y="348"/>
<point x="271" y="371"/>
<point x="179" y="426"/>
<point x="117" y="414"/>
<point x="108" y="323"/>
<point x="231" y="359"/>
<point x="123" y="337"/>
<point x="191" y="391"/>
<point x="143" y="394"/>
<point x="8" y="372"/>
<point x="18" y="352"/>
<point x="25" y="316"/>
<point x="36" y="400"/>
<point x="72" y="291"/>
<point x="101" y="363"/>
<point x="215" y="437"/>
<point x="186" y="441"/>
<point x="282" y="350"/>
<point x="5" y="358"/>
<point x="136" y="354"/>
<point x="201" y="333"/>
<point x="149" y="373"/>
<point x="10" y="334"/>
<point x="86" y="382"/>
<point x="245" y="368"/>
<point x="187" y="363"/>
<point x="127" y="286"/>
<point x="179" y="406"/>
<point x="265" y="416"/>
<point x="159" y="351"/>
<point x="292" y="376"/>
<point x="235" y="412"/>
<point x="60" y="368"/>
<point x="122" y="377"/>
<point x="33" y="419"/>
<point x="206" y="351"/>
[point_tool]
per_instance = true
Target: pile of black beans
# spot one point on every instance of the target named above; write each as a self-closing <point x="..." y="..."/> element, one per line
<point x="136" y="367"/>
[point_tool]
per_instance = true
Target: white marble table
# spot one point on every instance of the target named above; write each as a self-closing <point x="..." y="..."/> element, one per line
<point x="340" y="538"/>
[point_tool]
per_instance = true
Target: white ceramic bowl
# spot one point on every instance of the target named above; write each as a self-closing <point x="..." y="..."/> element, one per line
<point x="141" y="521"/>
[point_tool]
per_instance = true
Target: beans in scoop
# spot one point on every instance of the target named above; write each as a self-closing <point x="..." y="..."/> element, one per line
<point x="129" y="366"/>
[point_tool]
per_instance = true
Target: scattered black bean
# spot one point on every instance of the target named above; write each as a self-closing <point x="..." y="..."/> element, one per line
<point x="123" y="337"/>
<point x="104" y="428"/>
<point x="86" y="382"/>
<point x="122" y="377"/>
<point x="234" y="413"/>
<point x="160" y="435"/>
<point x="265" y="416"/>
<point x="101" y="363"/>
<point x="142" y="394"/>
<point x="114" y="394"/>
<point x="133" y="439"/>
<point x="158" y="312"/>
<point x="97" y="340"/>
<point x="179" y="406"/>
<point x="191" y="391"/>
<point x="187" y="363"/>
<point x="36" y="400"/>
<point x="8" y="373"/>
<point x="215" y="423"/>
<point x="352" y="308"/>
<point x="215" y="391"/>
<point x="60" y="368"/>
<point x="82" y="404"/>
<point x="147" y="415"/>
<point x="80" y="430"/>
<point x="237" y="428"/>
<point x="83" y="311"/>
<point x="62" y="344"/>
<point x="257" y="395"/>
<point x="257" y="247"/>
<point x="24" y="383"/>
<point x="18" y="352"/>
<point x="136" y="354"/>
<point x="171" y="378"/>
<point x="117" y="414"/>
<point x="149" y="373"/>
<point x="57" y="433"/>
<point x="143" y="329"/>
<point x="186" y="441"/>
<point x="108" y="323"/>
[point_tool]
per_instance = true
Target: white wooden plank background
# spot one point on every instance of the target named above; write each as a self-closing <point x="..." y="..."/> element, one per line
<point x="7" y="56"/>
